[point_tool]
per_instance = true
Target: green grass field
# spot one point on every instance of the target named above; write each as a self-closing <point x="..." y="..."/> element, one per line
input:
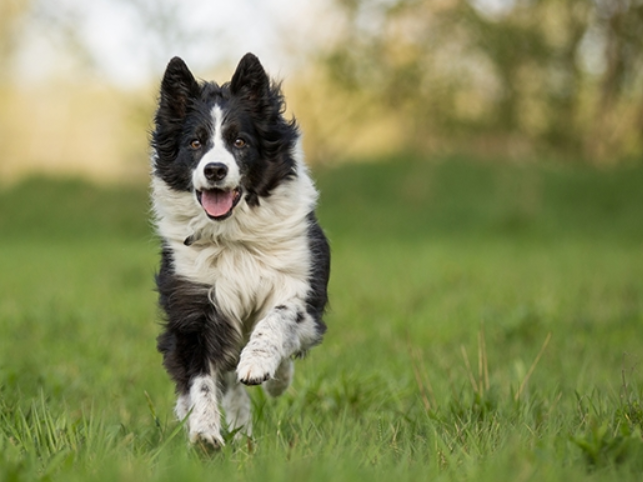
<point x="486" y="324"/>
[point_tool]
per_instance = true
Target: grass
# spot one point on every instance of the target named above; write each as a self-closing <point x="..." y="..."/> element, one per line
<point x="485" y="324"/>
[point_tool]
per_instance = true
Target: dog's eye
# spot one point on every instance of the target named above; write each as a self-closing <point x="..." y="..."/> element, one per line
<point x="195" y="144"/>
<point x="239" y="143"/>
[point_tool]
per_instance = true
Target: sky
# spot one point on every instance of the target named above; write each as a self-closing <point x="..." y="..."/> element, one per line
<point x="130" y="41"/>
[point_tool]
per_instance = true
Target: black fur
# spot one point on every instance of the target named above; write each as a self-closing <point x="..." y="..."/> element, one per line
<point x="195" y="335"/>
<point x="320" y="273"/>
<point x="255" y="106"/>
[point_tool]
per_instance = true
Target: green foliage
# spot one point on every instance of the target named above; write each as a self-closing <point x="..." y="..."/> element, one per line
<point x="612" y="439"/>
<point x="485" y="324"/>
<point x="560" y="76"/>
<point x="603" y="447"/>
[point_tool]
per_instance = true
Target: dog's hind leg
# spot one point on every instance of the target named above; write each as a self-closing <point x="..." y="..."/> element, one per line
<point x="236" y="404"/>
<point x="281" y="381"/>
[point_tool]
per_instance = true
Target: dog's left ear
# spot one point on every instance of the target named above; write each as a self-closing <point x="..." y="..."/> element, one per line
<point x="250" y="79"/>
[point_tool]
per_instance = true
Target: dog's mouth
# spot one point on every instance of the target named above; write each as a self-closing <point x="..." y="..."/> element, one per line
<point x="219" y="203"/>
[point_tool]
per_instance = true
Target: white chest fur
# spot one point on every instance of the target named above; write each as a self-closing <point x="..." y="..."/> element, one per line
<point x="246" y="280"/>
<point x="254" y="260"/>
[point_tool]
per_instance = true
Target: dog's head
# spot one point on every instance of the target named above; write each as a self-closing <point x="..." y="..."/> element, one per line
<point x="227" y="144"/>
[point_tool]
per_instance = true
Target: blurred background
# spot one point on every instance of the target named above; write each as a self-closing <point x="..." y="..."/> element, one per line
<point x="510" y="79"/>
<point x="479" y="163"/>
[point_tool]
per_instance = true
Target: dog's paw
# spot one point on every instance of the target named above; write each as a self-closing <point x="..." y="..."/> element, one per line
<point x="204" y="428"/>
<point x="206" y="438"/>
<point x="206" y="442"/>
<point x="256" y="366"/>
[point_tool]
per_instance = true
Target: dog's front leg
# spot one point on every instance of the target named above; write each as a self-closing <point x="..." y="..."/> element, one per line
<point x="198" y="346"/>
<point x="286" y="330"/>
<point x="199" y="407"/>
<point x="204" y="421"/>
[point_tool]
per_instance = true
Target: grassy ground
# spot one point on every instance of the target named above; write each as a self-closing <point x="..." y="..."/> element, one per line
<point x="486" y="324"/>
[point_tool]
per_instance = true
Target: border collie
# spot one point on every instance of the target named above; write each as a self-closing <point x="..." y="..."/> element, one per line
<point x="244" y="263"/>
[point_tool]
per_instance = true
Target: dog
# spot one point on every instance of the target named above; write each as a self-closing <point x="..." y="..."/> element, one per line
<point x="244" y="263"/>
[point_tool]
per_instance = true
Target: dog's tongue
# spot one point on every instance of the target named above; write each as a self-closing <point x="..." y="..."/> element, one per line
<point x="216" y="202"/>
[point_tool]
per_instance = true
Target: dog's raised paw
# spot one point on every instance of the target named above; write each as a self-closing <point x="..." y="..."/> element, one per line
<point x="252" y="375"/>
<point x="255" y="367"/>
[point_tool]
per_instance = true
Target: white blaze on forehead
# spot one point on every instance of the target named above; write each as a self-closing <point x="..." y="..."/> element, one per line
<point x="217" y="122"/>
<point x="219" y="153"/>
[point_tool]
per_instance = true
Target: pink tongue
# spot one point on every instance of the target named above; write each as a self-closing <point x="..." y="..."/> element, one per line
<point x="217" y="203"/>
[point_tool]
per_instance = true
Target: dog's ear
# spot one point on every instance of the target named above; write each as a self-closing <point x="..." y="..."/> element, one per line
<point x="250" y="79"/>
<point x="177" y="88"/>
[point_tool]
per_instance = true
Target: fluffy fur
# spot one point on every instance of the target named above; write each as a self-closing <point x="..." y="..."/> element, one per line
<point x="244" y="265"/>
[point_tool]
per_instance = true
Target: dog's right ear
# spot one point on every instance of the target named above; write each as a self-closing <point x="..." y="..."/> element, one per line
<point x="177" y="88"/>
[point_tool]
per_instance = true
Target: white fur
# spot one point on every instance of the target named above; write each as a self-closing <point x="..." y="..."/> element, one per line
<point x="218" y="154"/>
<point x="257" y="262"/>
<point x="275" y="338"/>
<point x="204" y="422"/>
<point x="258" y="258"/>
<point x="182" y="407"/>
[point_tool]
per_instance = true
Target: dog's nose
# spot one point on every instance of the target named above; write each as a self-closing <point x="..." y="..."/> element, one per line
<point x="215" y="171"/>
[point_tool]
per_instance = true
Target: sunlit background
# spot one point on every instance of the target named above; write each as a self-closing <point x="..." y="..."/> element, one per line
<point x="480" y="171"/>
<point x="493" y="78"/>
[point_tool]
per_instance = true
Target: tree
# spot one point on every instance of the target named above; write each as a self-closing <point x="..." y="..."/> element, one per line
<point x="11" y="14"/>
<point x="564" y="75"/>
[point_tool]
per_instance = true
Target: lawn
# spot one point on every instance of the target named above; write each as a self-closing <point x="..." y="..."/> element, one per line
<point x="486" y="323"/>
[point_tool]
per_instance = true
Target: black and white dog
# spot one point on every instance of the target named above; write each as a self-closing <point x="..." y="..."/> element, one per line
<point x="244" y="265"/>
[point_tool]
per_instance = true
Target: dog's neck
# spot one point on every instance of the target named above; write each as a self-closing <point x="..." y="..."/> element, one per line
<point x="278" y="217"/>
